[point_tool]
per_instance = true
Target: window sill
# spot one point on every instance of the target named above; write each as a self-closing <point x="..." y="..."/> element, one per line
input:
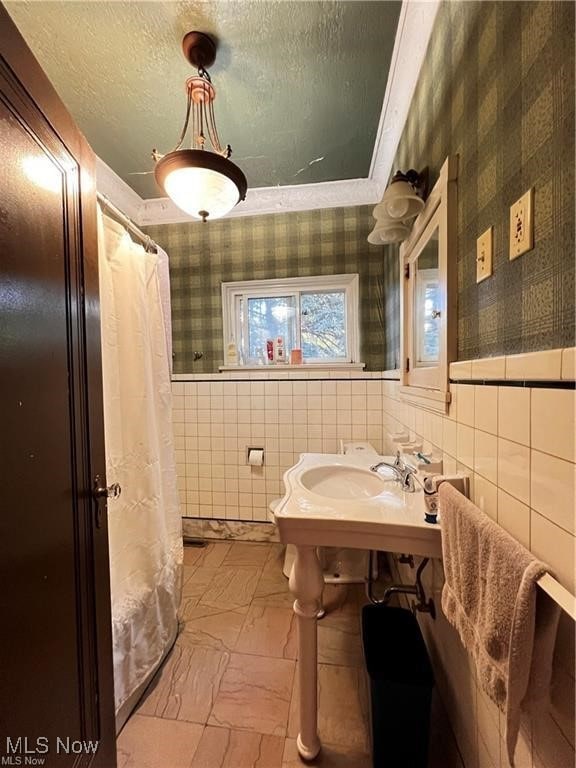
<point x="288" y="367"/>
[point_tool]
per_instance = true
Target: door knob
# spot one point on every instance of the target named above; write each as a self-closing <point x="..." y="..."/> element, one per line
<point x="105" y="492"/>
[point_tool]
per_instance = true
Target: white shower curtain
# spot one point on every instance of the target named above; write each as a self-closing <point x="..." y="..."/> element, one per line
<point x="144" y="523"/>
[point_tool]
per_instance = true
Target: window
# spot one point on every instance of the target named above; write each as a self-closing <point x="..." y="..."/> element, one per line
<point x="427" y="322"/>
<point x="318" y="315"/>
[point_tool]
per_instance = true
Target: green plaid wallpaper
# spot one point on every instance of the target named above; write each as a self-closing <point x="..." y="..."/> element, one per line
<point x="322" y="242"/>
<point x="497" y="88"/>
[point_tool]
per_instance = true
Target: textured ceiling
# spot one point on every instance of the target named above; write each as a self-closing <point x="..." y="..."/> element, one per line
<point x="299" y="84"/>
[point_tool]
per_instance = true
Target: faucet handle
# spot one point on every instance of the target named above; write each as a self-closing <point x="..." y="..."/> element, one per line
<point x="408" y="483"/>
<point x="398" y="460"/>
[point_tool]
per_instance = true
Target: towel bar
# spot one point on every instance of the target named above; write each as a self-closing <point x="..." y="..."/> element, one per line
<point x="559" y="594"/>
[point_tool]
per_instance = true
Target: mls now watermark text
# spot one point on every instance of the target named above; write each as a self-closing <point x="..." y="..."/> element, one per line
<point x="20" y="750"/>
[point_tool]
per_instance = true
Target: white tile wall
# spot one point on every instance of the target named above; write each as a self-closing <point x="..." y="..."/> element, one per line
<point x="215" y="421"/>
<point x="569" y="363"/>
<point x="552" y="422"/>
<point x="514" y="414"/>
<point x="530" y="492"/>
<point x="517" y="444"/>
<point x="552" y="484"/>
<point x="486" y="409"/>
<point x="489" y="368"/>
<point x="514" y="469"/>
<point x="510" y="479"/>
<point x="514" y="516"/>
<point x="546" y="365"/>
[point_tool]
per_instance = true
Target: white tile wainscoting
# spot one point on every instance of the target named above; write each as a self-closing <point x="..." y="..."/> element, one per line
<point x="216" y="419"/>
<point x="516" y="443"/>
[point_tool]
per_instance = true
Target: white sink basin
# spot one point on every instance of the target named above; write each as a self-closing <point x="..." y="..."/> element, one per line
<point x="337" y="501"/>
<point x="345" y="482"/>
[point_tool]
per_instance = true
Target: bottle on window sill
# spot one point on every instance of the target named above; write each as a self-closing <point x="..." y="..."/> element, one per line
<point x="231" y="353"/>
<point x="279" y="350"/>
<point x="296" y="357"/>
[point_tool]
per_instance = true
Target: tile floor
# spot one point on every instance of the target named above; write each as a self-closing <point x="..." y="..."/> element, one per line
<point x="226" y="697"/>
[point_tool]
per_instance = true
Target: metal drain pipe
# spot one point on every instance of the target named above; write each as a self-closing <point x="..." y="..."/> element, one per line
<point x="417" y="589"/>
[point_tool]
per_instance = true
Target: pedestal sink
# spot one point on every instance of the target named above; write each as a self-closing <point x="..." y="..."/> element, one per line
<point x="337" y="501"/>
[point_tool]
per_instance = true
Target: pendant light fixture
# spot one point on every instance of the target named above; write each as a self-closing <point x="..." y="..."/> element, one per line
<point x="203" y="182"/>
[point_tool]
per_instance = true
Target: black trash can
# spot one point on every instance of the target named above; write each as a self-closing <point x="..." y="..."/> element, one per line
<point x="401" y="683"/>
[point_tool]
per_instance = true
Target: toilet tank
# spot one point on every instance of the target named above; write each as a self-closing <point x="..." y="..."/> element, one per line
<point x="358" y="447"/>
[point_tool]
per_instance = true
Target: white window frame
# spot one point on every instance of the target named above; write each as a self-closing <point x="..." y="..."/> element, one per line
<point x="247" y="289"/>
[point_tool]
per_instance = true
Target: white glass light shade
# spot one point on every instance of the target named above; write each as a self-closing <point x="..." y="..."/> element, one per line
<point x="388" y="232"/>
<point x="200" y="189"/>
<point x="203" y="184"/>
<point x="399" y="201"/>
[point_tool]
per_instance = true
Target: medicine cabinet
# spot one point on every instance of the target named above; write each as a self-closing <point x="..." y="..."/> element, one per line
<point x="429" y="296"/>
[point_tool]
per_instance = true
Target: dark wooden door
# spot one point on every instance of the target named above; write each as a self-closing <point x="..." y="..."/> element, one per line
<point x="56" y="688"/>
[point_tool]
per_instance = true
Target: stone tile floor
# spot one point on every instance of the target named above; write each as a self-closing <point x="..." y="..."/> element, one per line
<point x="226" y="696"/>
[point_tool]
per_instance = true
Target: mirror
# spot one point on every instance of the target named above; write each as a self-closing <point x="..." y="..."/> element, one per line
<point x="427" y="305"/>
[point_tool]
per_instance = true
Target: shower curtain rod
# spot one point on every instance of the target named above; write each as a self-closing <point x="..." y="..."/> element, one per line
<point x="147" y="242"/>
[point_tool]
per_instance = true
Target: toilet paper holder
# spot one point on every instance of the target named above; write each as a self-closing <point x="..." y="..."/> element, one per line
<point x="254" y="456"/>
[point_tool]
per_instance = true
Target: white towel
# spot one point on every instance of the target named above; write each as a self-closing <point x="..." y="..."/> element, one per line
<point x="490" y="596"/>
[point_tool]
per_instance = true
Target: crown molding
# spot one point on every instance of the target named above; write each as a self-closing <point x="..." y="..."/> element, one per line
<point x="263" y="200"/>
<point x="414" y="29"/>
<point x="415" y="26"/>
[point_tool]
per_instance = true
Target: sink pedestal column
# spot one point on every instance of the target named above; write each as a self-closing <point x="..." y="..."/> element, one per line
<point x="306" y="584"/>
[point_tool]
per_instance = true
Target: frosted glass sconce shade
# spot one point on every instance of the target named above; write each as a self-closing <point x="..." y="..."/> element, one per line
<point x="400" y="201"/>
<point x="404" y="196"/>
<point x="388" y="231"/>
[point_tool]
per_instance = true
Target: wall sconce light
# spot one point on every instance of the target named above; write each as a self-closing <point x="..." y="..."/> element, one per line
<point x="404" y="196"/>
<point x="388" y="231"/>
<point x="204" y="183"/>
<point x="403" y="200"/>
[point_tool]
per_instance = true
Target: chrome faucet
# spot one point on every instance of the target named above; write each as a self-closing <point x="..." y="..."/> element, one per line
<point x="404" y="472"/>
